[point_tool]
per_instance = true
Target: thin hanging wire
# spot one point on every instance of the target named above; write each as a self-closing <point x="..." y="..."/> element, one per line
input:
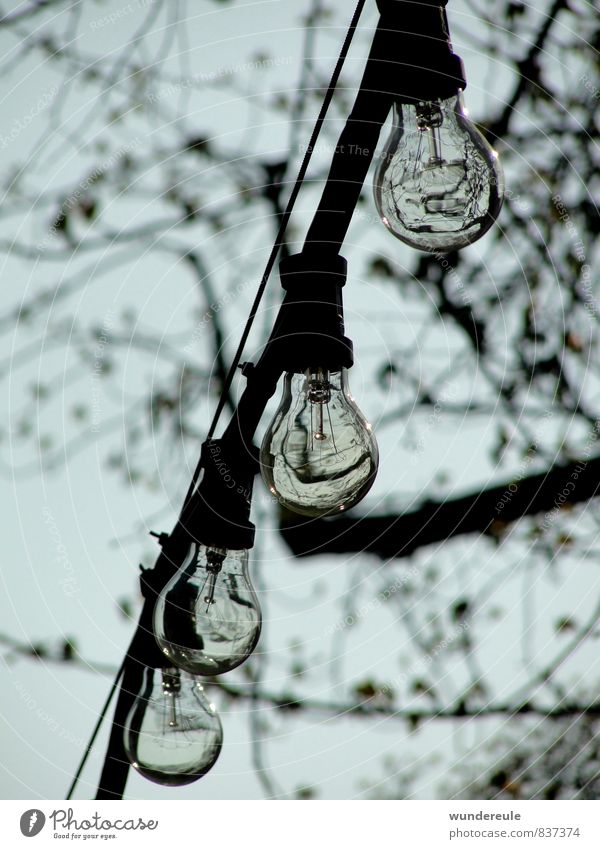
<point x="92" y="739"/>
<point x="286" y="217"/>
<point x="253" y="312"/>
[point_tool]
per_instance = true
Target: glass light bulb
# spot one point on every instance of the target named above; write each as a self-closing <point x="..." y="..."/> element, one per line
<point x="319" y="454"/>
<point x="207" y="619"/>
<point x="173" y="734"/>
<point x="439" y="185"/>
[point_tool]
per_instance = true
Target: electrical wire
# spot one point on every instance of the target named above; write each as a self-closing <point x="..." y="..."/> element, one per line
<point x="287" y="213"/>
<point x="252" y="315"/>
<point x="94" y="734"/>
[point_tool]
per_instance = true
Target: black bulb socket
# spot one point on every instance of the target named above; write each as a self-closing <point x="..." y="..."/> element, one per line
<point x="414" y="58"/>
<point x="309" y="331"/>
<point x="219" y="511"/>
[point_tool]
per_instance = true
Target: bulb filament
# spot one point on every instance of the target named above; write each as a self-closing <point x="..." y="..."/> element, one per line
<point x="171" y="684"/>
<point x="319" y="395"/>
<point x="429" y="120"/>
<point x="214" y="564"/>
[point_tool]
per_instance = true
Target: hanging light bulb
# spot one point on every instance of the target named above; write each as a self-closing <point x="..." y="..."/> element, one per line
<point x="207" y="619"/>
<point x="173" y="734"/>
<point x="319" y="454"/>
<point x="439" y="185"/>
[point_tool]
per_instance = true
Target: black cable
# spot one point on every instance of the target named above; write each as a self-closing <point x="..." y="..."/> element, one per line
<point x="252" y="315"/>
<point x="94" y="734"/>
<point x="285" y="218"/>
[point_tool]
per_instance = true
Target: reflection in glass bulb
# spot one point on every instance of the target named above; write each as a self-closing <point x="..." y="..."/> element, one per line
<point x="173" y="734"/>
<point x="319" y="454"/>
<point x="207" y="619"/>
<point x="439" y="185"/>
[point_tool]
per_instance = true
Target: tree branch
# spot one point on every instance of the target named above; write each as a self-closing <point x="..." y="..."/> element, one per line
<point x="482" y="512"/>
<point x="528" y="71"/>
<point x="369" y="708"/>
<point x="366" y="709"/>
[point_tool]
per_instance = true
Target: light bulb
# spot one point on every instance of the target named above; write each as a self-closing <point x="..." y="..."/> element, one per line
<point x="207" y="619"/>
<point x="173" y="734"/>
<point x="319" y="454"/>
<point x="439" y="185"/>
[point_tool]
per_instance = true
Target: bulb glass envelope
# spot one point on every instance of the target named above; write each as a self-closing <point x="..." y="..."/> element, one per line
<point x="319" y="455"/>
<point x="207" y="619"/>
<point x="173" y="734"/>
<point x="439" y="185"/>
